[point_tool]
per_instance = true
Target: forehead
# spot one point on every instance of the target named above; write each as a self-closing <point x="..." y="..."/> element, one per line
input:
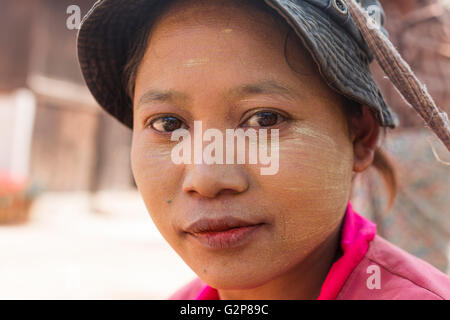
<point x="222" y="45"/>
<point x="227" y="17"/>
<point x="196" y="33"/>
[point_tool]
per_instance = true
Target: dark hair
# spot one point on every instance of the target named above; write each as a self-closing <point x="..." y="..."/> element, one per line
<point x="351" y="108"/>
<point x="139" y="46"/>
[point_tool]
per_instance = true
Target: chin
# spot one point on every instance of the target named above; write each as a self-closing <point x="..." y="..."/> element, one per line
<point x="232" y="282"/>
<point x="223" y="278"/>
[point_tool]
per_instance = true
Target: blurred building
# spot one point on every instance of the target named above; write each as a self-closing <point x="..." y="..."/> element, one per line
<point x="74" y="145"/>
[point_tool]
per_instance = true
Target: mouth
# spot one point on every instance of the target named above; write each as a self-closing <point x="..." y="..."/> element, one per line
<point x="225" y="233"/>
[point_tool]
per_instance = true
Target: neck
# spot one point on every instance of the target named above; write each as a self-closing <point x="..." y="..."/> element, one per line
<point x="302" y="282"/>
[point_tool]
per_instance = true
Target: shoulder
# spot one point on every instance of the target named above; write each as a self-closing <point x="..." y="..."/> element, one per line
<point x="189" y="291"/>
<point x="388" y="272"/>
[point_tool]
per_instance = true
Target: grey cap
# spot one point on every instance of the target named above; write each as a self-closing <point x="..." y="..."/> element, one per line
<point x="325" y="27"/>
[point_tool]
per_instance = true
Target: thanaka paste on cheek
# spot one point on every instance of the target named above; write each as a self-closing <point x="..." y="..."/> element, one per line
<point x="195" y="62"/>
<point x="146" y="156"/>
<point x="323" y="168"/>
<point x="158" y="152"/>
<point x="150" y="150"/>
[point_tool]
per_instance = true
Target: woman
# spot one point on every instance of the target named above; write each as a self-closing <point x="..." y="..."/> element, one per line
<point x="159" y="67"/>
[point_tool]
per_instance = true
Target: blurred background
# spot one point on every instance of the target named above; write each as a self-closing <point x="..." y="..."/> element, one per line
<point x="72" y="224"/>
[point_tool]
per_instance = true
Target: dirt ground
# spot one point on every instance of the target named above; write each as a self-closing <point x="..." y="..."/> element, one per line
<point x="78" y="246"/>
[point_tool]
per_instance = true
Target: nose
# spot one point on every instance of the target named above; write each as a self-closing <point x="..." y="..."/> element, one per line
<point x="210" y="181"/>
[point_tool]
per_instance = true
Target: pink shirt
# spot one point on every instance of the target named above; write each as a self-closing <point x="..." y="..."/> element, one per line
<point x="370" y="268"/>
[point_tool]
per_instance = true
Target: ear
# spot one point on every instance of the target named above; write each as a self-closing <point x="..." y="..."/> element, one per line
<point x="365" y="131"/>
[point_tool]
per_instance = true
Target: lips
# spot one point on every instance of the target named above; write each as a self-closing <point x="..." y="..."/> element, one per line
<point x="223" y="233"/>
<point x="216" y="225"/>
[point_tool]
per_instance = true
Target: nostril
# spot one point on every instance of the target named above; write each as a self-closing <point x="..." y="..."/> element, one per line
<point x="210" y="194"/>
<point x="204" y="181"/>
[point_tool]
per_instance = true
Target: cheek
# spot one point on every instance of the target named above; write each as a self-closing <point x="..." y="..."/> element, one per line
<point x="318" y="169"/>
<point x="323" y="159"/>
<point x="313" y="184"/>
<point x="156" y="176"/>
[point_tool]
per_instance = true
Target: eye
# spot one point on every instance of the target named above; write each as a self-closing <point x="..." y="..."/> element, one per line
<point x="264" y="119"/>
<point x="166" y="124"/>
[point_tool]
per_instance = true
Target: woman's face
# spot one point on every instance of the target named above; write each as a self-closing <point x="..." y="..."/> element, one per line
<point x="226" y="66"/>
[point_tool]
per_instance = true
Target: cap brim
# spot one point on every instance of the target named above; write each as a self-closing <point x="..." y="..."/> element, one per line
<point x="111" y="26"/>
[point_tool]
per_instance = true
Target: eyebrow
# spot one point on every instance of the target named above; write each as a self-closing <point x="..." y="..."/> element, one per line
<point x="269" y="87"/>
<point x="162" y="96"/>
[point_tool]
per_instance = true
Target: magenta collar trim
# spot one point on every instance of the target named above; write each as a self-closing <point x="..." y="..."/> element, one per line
<point x="357" y="233"/>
